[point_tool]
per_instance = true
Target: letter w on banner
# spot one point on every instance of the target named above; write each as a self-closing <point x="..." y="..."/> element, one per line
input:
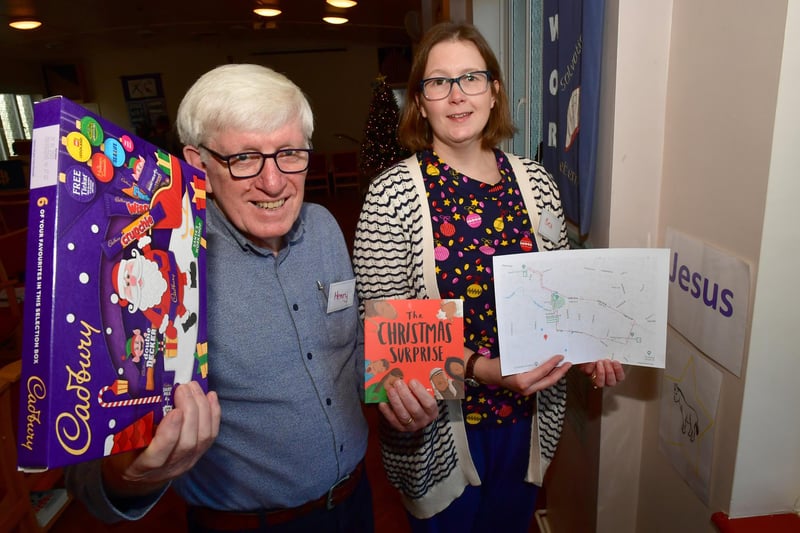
<point x="571" y="53"/>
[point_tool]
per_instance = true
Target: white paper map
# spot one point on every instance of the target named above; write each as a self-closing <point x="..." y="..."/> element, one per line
<point x="584" y="304"/>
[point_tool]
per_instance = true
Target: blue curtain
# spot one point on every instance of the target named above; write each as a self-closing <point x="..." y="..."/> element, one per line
<point x="571" y="54"/>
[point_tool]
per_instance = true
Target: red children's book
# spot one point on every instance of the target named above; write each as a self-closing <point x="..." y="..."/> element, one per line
<point x="114" y="289"/>
<point x="414" y="339"/>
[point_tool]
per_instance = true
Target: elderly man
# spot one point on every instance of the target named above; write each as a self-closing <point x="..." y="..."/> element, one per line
<point x="286" y="361"/>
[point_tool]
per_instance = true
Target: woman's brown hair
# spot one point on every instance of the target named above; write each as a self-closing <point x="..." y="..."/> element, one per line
<point x="414" y="130"/>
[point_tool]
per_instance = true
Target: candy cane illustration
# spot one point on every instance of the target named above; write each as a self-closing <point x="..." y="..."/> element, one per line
<point x="120" y="386"/>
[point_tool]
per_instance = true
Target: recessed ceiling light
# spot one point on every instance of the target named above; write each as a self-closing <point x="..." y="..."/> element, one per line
<point x="335" y="20"/>
<point x="267" y="11"/>
<point x="342" y="3"/>
<point x="25" y="24"/>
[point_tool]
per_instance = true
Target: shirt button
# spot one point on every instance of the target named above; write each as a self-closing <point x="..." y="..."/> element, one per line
<point x="295" y="307"/>
<point x="328" y="401"/>
<point x="309" y="356"/>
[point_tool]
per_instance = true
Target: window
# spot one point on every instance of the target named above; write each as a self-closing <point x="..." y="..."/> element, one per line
<point x="16" y="120"/>
<point x="524" y="76"/>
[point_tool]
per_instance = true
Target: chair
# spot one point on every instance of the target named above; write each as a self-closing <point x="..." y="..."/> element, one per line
<point x="318" y="176"/>
<point x="13" y="209"/>
<point x="12" y="279"/>
<point x="344" y="169"/>
<point x="15" y="173"/>
<point x="16" y="513"/>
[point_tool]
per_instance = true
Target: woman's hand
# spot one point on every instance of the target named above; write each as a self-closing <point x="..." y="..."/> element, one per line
<point x="411" y="407"/>
<point x="526" y="383"/>
<point x="603" y="373"/>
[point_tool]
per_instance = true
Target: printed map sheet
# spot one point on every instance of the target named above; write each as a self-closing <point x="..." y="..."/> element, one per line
<point x="584" y="304"/>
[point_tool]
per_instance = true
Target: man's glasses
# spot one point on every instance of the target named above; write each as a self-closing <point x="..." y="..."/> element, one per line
<point x="250" y="164"/>
<point x="471" y="83"/>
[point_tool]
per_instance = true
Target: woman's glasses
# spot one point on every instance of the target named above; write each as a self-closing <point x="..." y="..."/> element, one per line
<point x="471" y="84"/>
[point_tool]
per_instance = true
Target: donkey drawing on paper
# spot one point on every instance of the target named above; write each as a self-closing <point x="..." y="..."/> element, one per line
<point x="690" y="425"/>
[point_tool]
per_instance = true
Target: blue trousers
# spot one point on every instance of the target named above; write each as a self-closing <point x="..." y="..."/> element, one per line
<point x="504" y="501"/>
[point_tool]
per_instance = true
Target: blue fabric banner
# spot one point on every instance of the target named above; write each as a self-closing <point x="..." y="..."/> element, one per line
<point x="571" y="55"/>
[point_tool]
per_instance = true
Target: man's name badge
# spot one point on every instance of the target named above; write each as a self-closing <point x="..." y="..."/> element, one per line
<point x="341" y="295"/>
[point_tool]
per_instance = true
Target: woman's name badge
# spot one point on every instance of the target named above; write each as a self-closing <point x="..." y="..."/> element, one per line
<point x="549" y="225"/>
<point x="341" y="295"/>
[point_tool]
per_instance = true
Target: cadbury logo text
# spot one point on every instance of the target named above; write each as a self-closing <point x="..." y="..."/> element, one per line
<point x="72" y="428"/>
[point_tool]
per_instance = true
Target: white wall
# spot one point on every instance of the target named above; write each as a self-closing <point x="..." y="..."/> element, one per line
<point x="701" y="80"/>
<point x="630" y="156"/>
<point x="489" y="16"/>
<point x="767" y="473"/>
<point x="642" y="56"/>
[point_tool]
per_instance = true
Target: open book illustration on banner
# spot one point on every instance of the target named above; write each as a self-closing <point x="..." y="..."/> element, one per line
<point x="583" y="304"/>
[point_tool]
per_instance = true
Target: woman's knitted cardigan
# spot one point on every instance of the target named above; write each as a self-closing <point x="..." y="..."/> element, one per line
<point x="393" y="258"/>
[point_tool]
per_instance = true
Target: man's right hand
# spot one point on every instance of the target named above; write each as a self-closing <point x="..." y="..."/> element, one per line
<point x="181" y="438"/>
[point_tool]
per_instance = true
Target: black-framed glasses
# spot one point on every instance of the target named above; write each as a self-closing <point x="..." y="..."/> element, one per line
<point x="250" y="164"/>
<point x="471" y="83"/>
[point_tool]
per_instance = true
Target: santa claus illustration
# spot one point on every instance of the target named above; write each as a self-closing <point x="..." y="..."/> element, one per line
<point x="151" y="282"/>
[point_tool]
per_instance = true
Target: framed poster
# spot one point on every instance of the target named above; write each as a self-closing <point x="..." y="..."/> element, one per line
<point x="142" y="87"/>
<point x="144" y="96"/>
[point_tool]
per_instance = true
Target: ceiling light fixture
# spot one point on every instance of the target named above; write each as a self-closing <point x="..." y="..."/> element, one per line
<point x="334" y="15"/>
<point x="344" y="4"/>
<point x="267" y="9"/>
<point x="25" y="24"/>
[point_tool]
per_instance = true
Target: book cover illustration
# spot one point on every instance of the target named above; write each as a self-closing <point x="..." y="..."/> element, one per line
<point x="115" y="295"/>
<point x="414" y="339"/>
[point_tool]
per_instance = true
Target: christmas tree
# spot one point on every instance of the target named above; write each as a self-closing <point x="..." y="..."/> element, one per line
<point x="381" y="148"/>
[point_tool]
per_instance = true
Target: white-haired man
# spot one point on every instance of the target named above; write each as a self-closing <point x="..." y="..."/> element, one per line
<point x="285" y="363"/>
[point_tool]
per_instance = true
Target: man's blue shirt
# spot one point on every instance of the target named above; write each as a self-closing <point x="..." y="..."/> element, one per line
<point x="287" y="373"/>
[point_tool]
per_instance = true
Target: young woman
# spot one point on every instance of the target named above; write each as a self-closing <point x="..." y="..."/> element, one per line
<point x="429" y="228"/>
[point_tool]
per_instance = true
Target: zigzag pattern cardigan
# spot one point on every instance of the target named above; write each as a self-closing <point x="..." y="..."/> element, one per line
<point x="393" y="258"/>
